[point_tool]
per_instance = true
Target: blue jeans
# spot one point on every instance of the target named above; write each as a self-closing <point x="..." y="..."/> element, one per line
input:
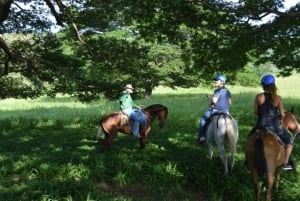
<point x="203" y="120"/>
<point x="137" y="118"/>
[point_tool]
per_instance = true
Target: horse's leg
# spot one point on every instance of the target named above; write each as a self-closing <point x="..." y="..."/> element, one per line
<point x="210" y="149"/>
<point x="106" y="144"/>
<point x="277" y="175"/>
<point x="112" y="137"/>
<point x="142" y="141"/>
<point x="255" y="184"/>
<point x="223" y="156"/>
<point x="233" y="138"/>
<point x="269" y="184"/>
<point x="143" y="137"/>
<point x="232" y="159"/>
<point x="99" y="132"/>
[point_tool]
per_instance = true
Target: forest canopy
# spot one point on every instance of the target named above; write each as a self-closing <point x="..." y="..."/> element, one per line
<point x="88" y="48"/>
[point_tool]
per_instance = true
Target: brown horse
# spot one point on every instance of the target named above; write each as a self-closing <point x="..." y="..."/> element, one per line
<point x="116" y="122"/>
<point x="265" y="155"/>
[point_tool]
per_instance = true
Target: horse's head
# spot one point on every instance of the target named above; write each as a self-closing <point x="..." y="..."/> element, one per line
<point x="291" y="123"/>
<point x="159" y="111"/>
<point x="162" y="116"/>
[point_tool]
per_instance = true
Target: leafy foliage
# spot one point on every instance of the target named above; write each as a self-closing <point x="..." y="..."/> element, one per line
<point x="101" y="45"/>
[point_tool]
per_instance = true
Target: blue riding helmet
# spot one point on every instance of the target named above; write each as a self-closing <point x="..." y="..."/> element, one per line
<point x="268" y="79"/>
<point x="220" y="77"/>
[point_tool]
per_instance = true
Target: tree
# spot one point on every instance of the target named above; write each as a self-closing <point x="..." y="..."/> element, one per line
<point x="222" y="33"/>
<point x="150" y="43"/>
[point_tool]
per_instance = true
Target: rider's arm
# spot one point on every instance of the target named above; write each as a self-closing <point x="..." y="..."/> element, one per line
<point x="280" y="107"/>
<point x="255" y="105"/>
<point x="213" y="101"/>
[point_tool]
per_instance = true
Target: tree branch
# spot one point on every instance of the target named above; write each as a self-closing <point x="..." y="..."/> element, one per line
<point x="70" y="19"/>
<point x="227" y="7"/>
<point x="59" y="21"/>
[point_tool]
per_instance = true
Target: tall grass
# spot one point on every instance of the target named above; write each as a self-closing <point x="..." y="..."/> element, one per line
<point x="48" y="151"/>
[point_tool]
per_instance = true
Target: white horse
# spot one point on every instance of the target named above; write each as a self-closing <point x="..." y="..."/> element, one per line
<point x="222" y="129"/>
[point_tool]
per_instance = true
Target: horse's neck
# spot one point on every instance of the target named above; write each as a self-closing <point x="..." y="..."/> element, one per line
<point x="291" y="123"/>
<point x="151" y="116"/>
<point x="154" y="111"/>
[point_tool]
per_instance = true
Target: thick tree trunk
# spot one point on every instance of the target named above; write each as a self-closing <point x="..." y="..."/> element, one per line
<point x="148" y="93"/>
<point x="148" y="89"/>
<point x="4" y="9"/>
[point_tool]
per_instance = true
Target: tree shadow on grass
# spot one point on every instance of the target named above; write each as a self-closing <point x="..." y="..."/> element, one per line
<point x="58" y="159"/>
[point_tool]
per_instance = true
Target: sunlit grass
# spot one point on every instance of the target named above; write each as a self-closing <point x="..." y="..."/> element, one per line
<point x="48" y="151"/>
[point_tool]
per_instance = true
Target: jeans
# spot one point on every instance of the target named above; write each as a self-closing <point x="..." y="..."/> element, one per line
<point x="203" y="120"/>
<point x="136" y="124"/>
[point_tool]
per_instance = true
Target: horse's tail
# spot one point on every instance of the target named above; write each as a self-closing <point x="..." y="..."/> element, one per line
<point x="260" y="156"/>
<point x="99" y="131"/>
<point x="232" y="134"/>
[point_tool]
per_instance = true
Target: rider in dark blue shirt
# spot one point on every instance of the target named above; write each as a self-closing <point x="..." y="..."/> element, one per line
<point x="219" y="102"/>
<point x="266" y="106"/>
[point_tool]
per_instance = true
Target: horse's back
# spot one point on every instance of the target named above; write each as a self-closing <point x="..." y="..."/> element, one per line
<point x="274" y="149"/>
<point x="222" y="126"/>
<point x="111" y="122"/>
<point x="266" y="145"/>
<point x="250" y="151"/>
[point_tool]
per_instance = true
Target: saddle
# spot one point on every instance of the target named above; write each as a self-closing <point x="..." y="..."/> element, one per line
<point x="264" y="131"/>
<point x="219" y="115"/>
<point x="138" y="116"/>
<point x="124" y="118"/>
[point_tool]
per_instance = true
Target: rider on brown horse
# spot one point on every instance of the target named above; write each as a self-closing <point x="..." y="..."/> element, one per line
<point x="266" y="106"/>
<point x="133" y="111"/>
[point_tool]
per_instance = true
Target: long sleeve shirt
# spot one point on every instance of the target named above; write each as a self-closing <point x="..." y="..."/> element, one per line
<point x="126" y="101"/>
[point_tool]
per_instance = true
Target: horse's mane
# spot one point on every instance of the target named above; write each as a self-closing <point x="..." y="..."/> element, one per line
<point x="155" y="105"/>
<point x="291" y="111"/>
<point x="152" y="110"/>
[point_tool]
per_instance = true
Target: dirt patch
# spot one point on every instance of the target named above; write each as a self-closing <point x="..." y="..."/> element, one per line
<point x="141" y="192"/>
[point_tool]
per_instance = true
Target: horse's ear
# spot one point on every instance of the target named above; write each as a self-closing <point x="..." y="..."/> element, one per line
<point x="292" y="110"/>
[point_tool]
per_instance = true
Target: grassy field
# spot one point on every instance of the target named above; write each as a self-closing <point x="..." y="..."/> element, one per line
<point x="48" y="151"/>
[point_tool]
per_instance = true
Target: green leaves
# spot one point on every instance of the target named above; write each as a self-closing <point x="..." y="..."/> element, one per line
<point x="105" y="44"/>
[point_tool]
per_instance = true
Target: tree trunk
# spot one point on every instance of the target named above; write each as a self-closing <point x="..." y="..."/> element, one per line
<point x="148" y="89"/>
<point x="4" y="9"/>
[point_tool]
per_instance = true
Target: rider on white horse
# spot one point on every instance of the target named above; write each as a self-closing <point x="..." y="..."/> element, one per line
<point x="219" y="102"/>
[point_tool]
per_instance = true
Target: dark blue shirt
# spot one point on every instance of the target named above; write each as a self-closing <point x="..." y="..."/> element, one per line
<point x="223" y="95"/>
<point x="267" y="114"/>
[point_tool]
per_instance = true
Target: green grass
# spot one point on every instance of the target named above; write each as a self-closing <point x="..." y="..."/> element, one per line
<point x="48" y="151"/>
